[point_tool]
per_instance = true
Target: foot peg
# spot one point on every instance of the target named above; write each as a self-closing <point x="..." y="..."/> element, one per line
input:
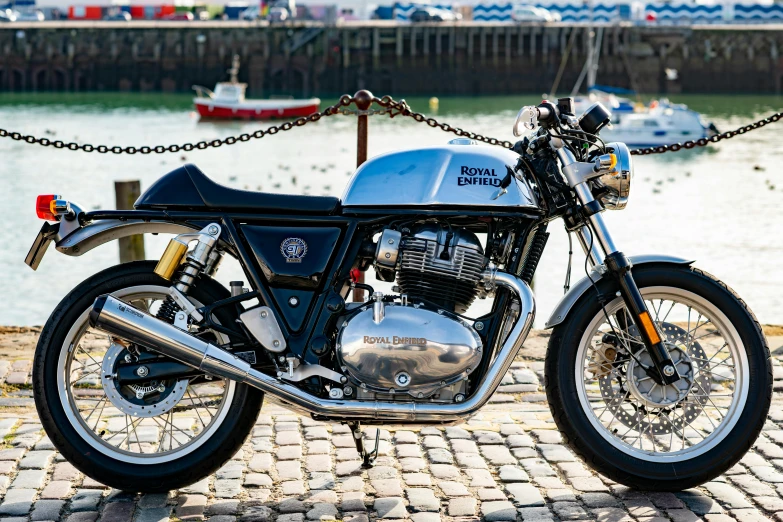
<point x="368" y="458"/>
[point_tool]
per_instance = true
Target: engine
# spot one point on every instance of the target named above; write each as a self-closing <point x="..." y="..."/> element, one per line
<point x="416" y="345"/>
<point x="439" y="264"/>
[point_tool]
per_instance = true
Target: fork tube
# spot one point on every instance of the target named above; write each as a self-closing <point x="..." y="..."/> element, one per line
<point x="591" y="249"/>
<point x="619" y="266"/>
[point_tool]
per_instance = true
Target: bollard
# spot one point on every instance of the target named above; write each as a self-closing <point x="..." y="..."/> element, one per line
<point x="363" y="102"/>
<point x="132" y="247"/>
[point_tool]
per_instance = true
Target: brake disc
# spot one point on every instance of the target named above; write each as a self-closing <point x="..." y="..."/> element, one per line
<point x="638" y="406"/>
<point x="147" y="399"/>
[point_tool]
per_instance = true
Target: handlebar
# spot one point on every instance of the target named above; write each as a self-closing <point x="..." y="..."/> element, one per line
<point x="544" y="112"/>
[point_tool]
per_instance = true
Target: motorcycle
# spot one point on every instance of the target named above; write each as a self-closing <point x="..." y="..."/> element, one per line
<point x="149" y="376"/>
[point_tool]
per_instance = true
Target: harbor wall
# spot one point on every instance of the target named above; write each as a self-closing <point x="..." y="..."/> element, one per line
<point x="468" y="58"/>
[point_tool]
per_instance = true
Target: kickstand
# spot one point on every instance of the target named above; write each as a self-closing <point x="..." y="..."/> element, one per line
<point x="368" y="458"/>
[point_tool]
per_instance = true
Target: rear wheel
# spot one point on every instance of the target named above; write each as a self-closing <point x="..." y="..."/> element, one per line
<point x="648" y="435"/>
<point x="150" y="436"/>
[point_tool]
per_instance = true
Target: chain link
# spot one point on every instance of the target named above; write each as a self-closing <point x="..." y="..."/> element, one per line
<point x="193" y="406"/>
<point x="701" y="142"/>
<point x="389" y="107"/>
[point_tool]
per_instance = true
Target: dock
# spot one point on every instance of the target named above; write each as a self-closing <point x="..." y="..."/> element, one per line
<point x="310" y="58"/>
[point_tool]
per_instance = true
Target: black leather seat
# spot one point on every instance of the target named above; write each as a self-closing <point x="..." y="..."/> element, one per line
<point x="187" y="188"/>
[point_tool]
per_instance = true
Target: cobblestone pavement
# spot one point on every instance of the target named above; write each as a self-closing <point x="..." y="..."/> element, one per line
<point x="506" y="463"/>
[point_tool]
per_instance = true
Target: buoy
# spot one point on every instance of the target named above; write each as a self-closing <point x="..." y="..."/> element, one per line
<point x="434" y="103"/>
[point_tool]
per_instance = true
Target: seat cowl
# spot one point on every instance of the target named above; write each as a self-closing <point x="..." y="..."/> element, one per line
<point x="174" y="190"/>
<point x="189" y="188"/>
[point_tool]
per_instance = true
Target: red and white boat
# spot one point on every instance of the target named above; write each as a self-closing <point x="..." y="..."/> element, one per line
<point x="228" y="102"/>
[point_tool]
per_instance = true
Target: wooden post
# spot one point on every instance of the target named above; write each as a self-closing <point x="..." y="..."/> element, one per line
<point x="363" y="102"/>
<point x="132" y="247"/>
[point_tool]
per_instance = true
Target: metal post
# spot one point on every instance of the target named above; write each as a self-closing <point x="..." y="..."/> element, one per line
<point x="132" y="247"/>
<point x="363" y="101"/>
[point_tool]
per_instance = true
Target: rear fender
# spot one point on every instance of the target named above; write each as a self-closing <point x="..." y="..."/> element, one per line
<point x="87" y="237"/>
<point x="567" y="302"/>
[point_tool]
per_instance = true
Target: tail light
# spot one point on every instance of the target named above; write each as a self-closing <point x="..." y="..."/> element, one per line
<point x="44" y="206"/>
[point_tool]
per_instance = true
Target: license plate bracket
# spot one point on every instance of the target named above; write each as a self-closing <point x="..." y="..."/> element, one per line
<point x="38" y="249"/>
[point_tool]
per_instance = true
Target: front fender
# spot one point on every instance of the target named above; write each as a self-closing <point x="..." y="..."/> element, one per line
<point x="565" y="304"/>
<point x="85" y="238"/>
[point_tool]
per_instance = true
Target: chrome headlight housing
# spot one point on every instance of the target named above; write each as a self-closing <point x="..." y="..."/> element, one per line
<point x="617" y="180"/>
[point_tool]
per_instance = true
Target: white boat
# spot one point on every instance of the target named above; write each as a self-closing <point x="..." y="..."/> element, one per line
<point x="638" y="125"/>
<point x="658" y="123"/>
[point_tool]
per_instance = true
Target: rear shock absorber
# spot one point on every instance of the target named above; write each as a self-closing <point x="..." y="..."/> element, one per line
<point x="202" y="258"/>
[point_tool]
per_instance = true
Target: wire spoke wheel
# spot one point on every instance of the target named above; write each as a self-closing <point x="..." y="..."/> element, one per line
<point x="649" y="420"/>
<point x="148" y="422"/>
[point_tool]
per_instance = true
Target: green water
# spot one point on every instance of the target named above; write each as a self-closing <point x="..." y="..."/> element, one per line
<point x="716" y="106"/>
<point x="722" y="206"/>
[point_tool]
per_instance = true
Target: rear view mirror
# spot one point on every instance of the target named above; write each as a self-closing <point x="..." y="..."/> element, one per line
<point x="527" y="120"/>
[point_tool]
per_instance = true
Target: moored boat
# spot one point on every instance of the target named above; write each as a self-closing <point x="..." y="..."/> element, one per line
<point x="658" y="123"/>
<point x="228" y="101"/>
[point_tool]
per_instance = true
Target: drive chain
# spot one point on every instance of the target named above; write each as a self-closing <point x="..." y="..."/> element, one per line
<point x="388" y="106"/>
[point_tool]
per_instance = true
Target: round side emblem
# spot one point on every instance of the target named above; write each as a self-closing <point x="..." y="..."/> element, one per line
<point x="293" y="249"/>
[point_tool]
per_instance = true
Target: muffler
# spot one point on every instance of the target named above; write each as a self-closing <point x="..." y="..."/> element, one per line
<point x="121" y="319"/>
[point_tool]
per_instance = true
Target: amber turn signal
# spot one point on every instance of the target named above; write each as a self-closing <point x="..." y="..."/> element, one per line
<point x="613" y="164"/>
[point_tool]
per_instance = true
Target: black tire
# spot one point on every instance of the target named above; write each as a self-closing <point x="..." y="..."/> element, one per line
<point x="585" y="439"/>
<point x="148" y="478"/>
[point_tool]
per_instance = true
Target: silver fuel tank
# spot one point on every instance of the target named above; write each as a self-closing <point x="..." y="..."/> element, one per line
<point x="454" y="175"/>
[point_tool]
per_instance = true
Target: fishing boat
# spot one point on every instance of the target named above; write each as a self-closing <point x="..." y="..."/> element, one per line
<point x="228" y="101"/>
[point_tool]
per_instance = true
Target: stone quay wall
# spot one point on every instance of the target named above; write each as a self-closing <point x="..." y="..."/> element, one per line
<point x="468" y="58"/>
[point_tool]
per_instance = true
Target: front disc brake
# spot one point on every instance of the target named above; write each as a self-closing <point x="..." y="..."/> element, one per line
<point x="645" y="416"/>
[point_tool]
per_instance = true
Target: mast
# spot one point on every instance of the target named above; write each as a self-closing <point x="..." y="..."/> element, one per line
<point x="590" y="68"/>
<point x="593" y="70"/>
<point x="234" y="71"/>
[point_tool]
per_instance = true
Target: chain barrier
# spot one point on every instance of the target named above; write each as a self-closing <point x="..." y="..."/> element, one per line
<point x="389" y="107"/>
<point x="701" y="142"/>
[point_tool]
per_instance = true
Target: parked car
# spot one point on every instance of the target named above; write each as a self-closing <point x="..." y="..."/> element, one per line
<point x="531" y="13"/>
<point x="185" y="16"/>
<point x="31" y="15"/>
<point x="278" y="14"/>
<point x="251" y="13"/>
<point x="118" y="16"/>
<point x="434" y="14"/>
<point x="6" y="15"/>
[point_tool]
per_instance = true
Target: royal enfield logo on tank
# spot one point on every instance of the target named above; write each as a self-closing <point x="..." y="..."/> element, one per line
<point x="478" y="176"/>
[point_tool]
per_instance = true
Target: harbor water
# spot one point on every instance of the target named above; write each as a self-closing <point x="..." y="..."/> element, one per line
<point x="722" y="206"/>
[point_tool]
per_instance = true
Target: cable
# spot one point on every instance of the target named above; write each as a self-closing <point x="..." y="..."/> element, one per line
<point x="601" y="302"/>
<point x="567" y="285"/>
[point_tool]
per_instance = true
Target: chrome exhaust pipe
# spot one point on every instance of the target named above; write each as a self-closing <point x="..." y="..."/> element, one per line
<point x="119" y="318"/>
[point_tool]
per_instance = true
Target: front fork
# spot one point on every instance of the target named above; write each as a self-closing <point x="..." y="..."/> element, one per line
<point x="595" y="239"/>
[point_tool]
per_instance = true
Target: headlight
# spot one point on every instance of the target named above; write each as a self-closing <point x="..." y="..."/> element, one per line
<point x="617" y="180"/>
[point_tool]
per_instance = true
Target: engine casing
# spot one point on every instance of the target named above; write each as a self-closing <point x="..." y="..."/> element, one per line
<point x="441" y="264"/>
<point x="407" y="349"/>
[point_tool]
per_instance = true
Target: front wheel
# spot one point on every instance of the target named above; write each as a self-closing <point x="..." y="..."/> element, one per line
<point x="644" y="434"/>
<point x="151" y="436"/>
